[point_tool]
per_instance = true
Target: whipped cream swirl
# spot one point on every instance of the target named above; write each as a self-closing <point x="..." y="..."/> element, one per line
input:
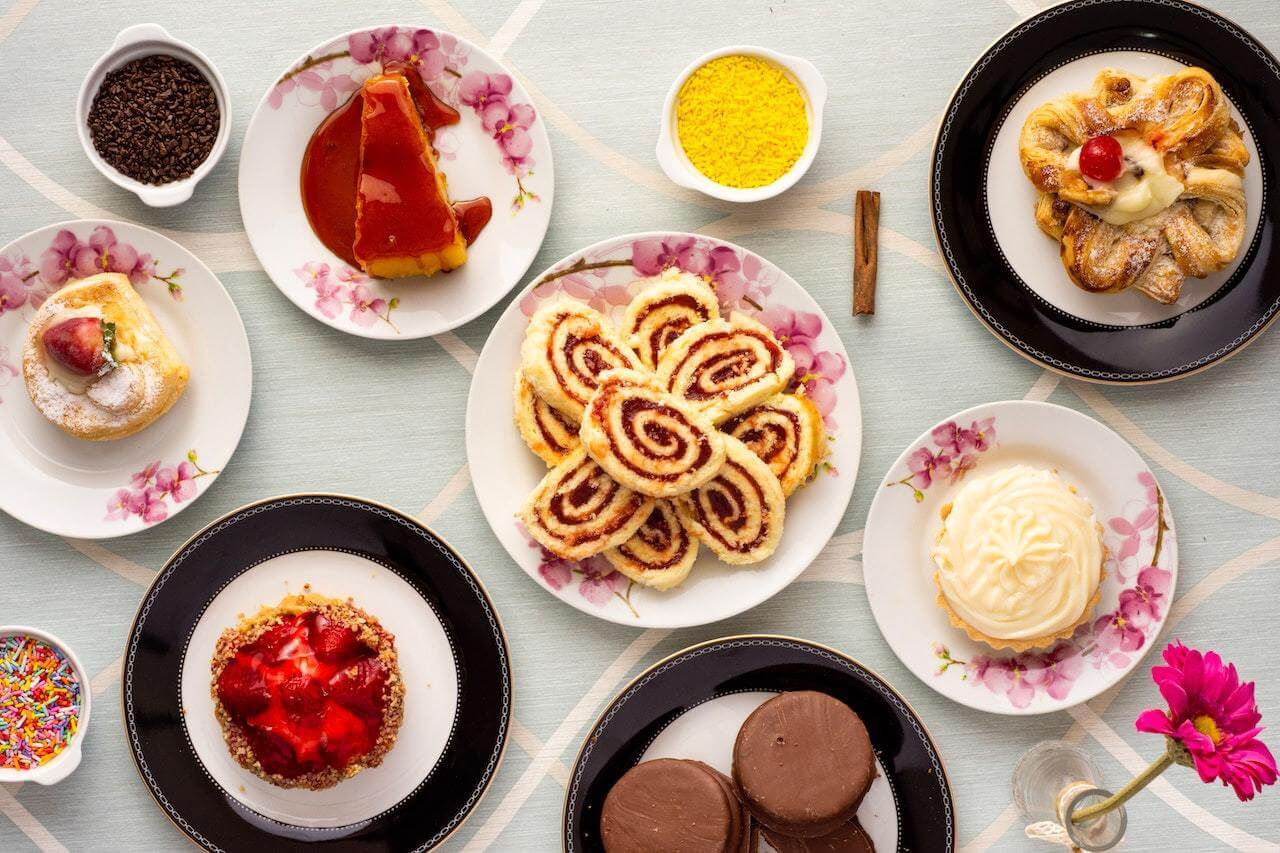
<point x="1020" y="554"/>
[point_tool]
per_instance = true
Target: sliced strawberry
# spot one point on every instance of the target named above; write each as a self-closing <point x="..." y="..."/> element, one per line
<point x="270" y="644"/>
<point x="242" y="690"/>
<point x="335" y="643"/>
<point x="303" y="696"/>
<point x="344" y="736"/>
<point x="274" y="753"/>
<point x="360" y="687"/>
<point x="77" y="345"/>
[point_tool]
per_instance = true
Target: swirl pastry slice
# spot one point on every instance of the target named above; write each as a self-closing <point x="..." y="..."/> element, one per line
<point x="548" y="432"/>
<point x="661" y="553"/>
<point x="739" y="514"/>
<point x="664" y="310"/>
<point x="1174" y="206"/>
<point x="578" y="510"/>
<point x="724" y="367"/>
<point x="566" y="346"/>
<point x="787" y="433"/>
<point x="647" y="439"/>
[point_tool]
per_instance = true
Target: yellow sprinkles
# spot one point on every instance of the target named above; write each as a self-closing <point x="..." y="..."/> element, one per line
<point x="742" y="121"/>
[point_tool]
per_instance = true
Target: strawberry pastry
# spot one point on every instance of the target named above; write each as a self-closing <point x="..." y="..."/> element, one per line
<point x="308" y="692"/>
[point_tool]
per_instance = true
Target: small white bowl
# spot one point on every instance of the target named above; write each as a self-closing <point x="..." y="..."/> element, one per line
<point x="61" y="765"/>
<point x="134" y="43"/>
<point x="674" y="161"/>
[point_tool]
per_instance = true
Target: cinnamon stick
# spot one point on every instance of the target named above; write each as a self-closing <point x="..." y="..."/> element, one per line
<point x="866" y="227"/>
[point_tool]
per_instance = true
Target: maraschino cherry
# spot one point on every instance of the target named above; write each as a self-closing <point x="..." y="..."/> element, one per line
<point x="1102" y="158"/>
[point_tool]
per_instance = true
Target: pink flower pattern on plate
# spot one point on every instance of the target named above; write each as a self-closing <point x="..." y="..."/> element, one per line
<point x="596" y="579"/>
<point x="69" y="258"/>
<point x="152" y="489"/>
<point x="817" y="370"/>
<point x="346" y="287"/>
<point x="954" y="453"/>
<point x="1108" y="642"/>
<point x="439" y="60"/>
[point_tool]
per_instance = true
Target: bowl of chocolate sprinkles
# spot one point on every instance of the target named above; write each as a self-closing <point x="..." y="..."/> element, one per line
<point x="154" y="115"/>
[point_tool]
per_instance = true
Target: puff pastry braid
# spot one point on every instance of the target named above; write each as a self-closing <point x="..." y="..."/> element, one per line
<point x="1185" y="119"/>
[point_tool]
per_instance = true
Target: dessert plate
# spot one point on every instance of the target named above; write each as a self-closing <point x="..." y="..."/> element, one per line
<point x="505" y="471"/>
<point x="97" y="490"/>
<point x="691" y="704"/>
<point x="1010" y="274"/>
<point x="499" y="150"/>
<point x="1141" y="565"/>
<point x="452" y="655"/>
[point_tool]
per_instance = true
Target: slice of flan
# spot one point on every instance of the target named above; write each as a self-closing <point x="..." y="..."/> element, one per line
<point x="405" y="223"/>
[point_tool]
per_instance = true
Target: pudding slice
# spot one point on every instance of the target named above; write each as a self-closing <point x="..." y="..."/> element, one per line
<point x="405" y="224"/>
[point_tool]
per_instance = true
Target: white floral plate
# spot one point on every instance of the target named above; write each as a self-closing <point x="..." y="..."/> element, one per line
<point x="1141" y="568"/>
<point x="504" y="470"/>
<point x="98" y="490"/>
<point x="499" y="150"/>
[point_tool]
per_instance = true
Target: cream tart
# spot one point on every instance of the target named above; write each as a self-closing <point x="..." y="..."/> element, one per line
<point x="1019" y="559"/>
<point x="308" y="692"/>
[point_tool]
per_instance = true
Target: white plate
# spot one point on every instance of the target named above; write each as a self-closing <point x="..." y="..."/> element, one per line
<point x="1034" y="258"/>
<point x="97" y="490"/>
<point x="504" y="470"/>
<point x="1141" y="567"/>
<point x="429" y="673"/>
<point x="475" y="160"/>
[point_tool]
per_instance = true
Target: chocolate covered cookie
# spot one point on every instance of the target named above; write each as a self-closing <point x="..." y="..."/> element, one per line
<point x="802" y="764"/>
<point x="670" y="805"/>
<point x="848" y="838"/>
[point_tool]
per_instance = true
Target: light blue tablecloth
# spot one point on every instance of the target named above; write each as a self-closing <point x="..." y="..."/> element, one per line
<point x="333" y="412"/>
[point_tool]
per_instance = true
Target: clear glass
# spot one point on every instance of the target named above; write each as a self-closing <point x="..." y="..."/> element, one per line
<point x="1054" y="779"/>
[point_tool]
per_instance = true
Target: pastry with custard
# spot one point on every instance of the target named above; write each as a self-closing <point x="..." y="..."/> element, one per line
<point x="1140" y="180"/>
<point x="308" y="692"/>
<point x="1019" y="559"/>
<point x="97" y="364"/>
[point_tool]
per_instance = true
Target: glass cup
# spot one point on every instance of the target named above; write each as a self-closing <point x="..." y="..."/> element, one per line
<point x="1053" y="780"/>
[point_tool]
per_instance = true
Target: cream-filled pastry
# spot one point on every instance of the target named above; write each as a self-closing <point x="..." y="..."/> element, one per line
<point x="1019" y="558"/>
<point x="97" y="364"/>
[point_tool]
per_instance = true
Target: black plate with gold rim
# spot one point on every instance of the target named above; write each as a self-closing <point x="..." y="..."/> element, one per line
<point x="1227" y="315"/>
<point x="450" y="646"/>
<point x="716" y="669"/>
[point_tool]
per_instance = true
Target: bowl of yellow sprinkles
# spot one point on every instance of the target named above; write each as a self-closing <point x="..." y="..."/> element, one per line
<point x="742" y="123"/>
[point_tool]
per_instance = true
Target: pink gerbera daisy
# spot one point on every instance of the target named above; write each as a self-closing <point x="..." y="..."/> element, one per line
<point x="1212" y="720"/>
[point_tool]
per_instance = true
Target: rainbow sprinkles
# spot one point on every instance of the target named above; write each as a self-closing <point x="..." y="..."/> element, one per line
<point x="39" y="703"/>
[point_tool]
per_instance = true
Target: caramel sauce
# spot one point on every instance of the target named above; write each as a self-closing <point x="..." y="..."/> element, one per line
<point x="330" y="173"/>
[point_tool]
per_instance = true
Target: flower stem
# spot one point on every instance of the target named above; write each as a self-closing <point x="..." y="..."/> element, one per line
<point x="579" y="266"/>
<point x="1160" y="526"/>
<point x="1119" y="798"/>
<point x="312" y="62"/>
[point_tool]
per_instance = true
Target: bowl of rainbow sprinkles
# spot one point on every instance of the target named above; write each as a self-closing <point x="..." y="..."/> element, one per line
<point x="44" y="706"/>
<point x="742" y="123"/>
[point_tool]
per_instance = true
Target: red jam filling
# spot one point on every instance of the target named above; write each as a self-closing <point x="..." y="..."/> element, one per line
<point x="308" y="693"/>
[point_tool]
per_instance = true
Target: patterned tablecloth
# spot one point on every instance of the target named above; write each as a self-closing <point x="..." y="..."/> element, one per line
<point x="334" y="412"/>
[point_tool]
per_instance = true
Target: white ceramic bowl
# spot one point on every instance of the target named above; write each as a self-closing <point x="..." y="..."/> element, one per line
<point x="674" y="161"/>
<point x="61" y="765"/>
<point x="134" y="43"/>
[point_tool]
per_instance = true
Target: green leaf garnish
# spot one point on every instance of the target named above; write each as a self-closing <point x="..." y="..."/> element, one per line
<point x="108" y="342"/>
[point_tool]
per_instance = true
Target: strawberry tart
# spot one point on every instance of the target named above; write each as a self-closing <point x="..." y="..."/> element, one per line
<point x="308" y="693"/>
